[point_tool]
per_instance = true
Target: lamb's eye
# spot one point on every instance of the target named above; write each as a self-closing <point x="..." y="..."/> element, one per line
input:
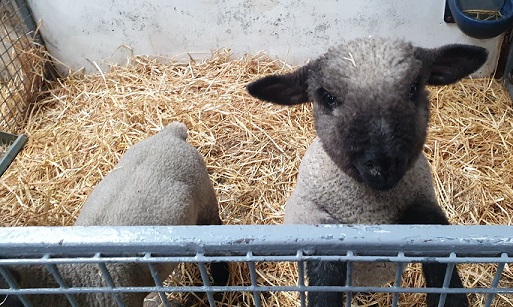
<point x="413" y="90"/>
<point x="329" y="100"/>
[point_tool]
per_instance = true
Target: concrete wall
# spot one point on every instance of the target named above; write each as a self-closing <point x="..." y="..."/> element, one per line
<point x="81" y="33"/>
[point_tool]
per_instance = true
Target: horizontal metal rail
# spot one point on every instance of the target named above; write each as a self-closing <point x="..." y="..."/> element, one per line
<point x="205" y="259"/>
<point x="261" y="240"/>
<point x="255" y="288"/>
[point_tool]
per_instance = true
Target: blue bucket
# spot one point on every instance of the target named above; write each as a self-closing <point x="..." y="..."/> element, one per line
<point x="482" y="29"/>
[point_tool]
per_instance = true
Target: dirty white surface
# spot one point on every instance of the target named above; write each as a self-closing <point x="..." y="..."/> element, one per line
<point x="93" y="33"/>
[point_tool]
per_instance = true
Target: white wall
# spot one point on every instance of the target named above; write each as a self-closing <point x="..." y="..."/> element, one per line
<point x="82" y="32"/>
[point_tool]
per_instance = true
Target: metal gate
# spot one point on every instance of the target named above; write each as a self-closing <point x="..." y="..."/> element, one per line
<point x="402" y="244"/>
<point x="21" y="75"/>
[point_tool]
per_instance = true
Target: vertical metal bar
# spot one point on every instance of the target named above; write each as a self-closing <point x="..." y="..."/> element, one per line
<point x="495" y="282"/>
<point x="157" y="280"/>
<point x="108" y="279"/>
<point x="254" y="283"/>
<point x="447" y="280"/>
<point x="50" y="73"/>
<point x="206" y="281"/>
<point x="349" y="279"/>
<point x="52" y="268"/>
<point x="14" y="286"/>
<point x="301" y="278"/>
<point x="398" y="279"/>
<point x="26" y="14"/>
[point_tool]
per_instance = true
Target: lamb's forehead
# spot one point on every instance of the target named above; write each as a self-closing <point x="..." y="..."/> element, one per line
<point x="371" y="59"/>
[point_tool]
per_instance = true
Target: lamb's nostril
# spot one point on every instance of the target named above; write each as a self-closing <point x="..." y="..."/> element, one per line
<point x="389" y="166"/>
<point x="381" y="167"/>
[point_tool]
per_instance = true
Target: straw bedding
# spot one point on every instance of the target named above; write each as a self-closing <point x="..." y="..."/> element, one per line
<point x="252" y="149"/>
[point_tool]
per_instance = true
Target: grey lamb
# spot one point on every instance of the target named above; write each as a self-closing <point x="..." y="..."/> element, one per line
<point x="366" y="166"/>
<point x="161" y="180"/>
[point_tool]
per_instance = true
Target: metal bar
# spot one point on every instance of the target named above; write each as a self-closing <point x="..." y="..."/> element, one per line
<point x="301" y="278"/>
<point x="253" y="278"/>
<point x="398" y="279"/>
<point x="213" y="289"/>
<point x="388" y="240"/>
<point x="157" y="281"/>
<point x="447" y="281"/>
<point x="206" y="283"/>
<point x="16" y="147"/>
<point x="109" y="281"/>
<point x="155" y="275"/>
<point x="13" y="286"/>
<point x="495" y="282"/>
<point x="193" y="259"/>
<point x="349" y="279"/>
<point x="52" y="268"/>
<point x="159" y="284"/>
<point x="25" y="13"/>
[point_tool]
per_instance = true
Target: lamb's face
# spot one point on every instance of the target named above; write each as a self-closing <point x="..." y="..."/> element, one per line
<point x="370" y="104"/>
<point x="371" y="109"/>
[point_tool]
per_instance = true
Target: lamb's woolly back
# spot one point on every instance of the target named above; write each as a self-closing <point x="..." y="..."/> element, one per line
<point x="162" y="180"/>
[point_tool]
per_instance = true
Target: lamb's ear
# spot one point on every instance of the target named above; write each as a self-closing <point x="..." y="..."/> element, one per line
<point x="450" y="63"/>
<point x="286" y="89"/>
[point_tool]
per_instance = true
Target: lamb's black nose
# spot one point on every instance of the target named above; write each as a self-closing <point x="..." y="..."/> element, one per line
<point x="380" y="170"/>
<point x="381" y="165"/>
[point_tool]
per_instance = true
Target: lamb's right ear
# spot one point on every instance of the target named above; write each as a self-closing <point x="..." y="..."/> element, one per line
<point x="286" y="89"/>
<point x="450" y="63"/>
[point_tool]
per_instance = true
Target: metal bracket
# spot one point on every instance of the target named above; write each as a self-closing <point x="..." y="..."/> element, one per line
<point x="16" y="144"/>
<point x="447" y="13"/>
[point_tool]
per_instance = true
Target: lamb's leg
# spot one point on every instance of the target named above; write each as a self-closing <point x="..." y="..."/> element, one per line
<point x="220" y="270"/>
<point x="430" y="213"/>
<point x="325" y="273"/>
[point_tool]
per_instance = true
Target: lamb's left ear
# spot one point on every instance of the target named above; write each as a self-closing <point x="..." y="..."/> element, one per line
<point x="450" y="63"/>
<point x="286" y="89"/>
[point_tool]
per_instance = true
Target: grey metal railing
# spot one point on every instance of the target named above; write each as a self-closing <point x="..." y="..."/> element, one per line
<point x="21" y="68"/>
<point x="52" y="246"/>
